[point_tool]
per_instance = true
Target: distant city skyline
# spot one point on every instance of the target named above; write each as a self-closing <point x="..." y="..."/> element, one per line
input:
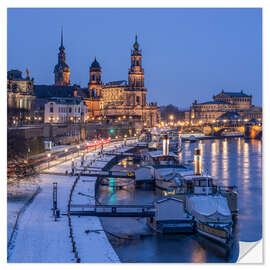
<point x="188" y="54"/>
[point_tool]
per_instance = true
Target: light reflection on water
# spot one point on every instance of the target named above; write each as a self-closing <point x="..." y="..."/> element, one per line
<point x="230" y="162"/>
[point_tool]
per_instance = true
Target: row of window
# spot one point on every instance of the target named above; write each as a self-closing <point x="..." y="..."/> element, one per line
<point x="233" y="99"/>
<point x="65" y="109"/>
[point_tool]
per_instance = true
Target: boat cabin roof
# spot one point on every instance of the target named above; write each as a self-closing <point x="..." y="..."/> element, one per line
<point x="158" y="153"/>
<point x="198" y="177"/>
<point x="166" y="198"/>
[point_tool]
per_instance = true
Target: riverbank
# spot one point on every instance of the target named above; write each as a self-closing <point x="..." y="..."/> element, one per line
<point x="38" y="238"/>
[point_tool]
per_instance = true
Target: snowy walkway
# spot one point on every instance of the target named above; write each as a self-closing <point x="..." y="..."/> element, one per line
<point x="92" y="242"/>
<point x="39" y="238"/>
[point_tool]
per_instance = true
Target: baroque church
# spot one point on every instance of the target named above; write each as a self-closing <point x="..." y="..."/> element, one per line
<point x="112" y="101"/>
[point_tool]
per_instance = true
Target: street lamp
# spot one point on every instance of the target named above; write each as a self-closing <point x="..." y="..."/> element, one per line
<point x="82" y="158"/>
<point x="49" y="155"/>
<point x="72" y="166"/>
<point x="78" y="147"/>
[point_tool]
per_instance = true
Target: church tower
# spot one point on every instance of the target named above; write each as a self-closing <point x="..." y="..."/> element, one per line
<point x="61" y="69"/>
<point x="95" y="83"/>
<point x="136" y="93"/>
<point x="136" y="72"/>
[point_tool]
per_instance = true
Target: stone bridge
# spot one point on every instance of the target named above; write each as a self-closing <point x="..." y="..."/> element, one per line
<point x="250" y="131"/>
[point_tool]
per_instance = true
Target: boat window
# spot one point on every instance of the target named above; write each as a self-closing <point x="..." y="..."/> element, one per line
<point x="203" y="183"/>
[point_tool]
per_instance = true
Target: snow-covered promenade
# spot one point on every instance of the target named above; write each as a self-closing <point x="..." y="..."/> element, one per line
<point x="38" y="238"/>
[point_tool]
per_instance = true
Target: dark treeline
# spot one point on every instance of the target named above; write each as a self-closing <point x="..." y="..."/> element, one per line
<point x="167" y="111"/>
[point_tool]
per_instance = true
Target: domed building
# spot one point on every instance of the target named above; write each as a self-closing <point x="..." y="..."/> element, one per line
<point x="95" y="83"/>
<point x="61" y="69"/>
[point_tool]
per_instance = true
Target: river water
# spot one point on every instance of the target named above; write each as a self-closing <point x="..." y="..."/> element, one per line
<point x="233" y="161"/>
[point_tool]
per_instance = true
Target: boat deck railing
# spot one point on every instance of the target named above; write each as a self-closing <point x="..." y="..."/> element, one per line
<point x="212" y="189"/>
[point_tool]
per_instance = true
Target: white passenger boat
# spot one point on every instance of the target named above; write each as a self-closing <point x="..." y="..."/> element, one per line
<point x="212" y="216"/>
<point x="166" y="168"/>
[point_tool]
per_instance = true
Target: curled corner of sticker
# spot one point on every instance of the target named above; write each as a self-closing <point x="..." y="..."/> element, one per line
<point x="250" y="252"/>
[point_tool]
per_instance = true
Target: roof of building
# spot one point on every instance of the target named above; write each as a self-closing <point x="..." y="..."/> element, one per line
<point x="47" y="91"/>
<point x="15" y="75"/>
<point x="229" y="116"/>
<point x="214" y="102"/>
<point x="95" y="64"/>
<point x="70" y="101"/>
<point x="113" y="83"/>
<point x="235" y="94"/>
<point x="61" y="67"/>
<point x="83" y="92"/>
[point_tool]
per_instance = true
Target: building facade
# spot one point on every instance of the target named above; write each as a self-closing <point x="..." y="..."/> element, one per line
<point x="65" y="110"/>
<point x="209" y="112"/>
<point x="127" y="100"/>
<point x="20" y="97"/>
<point x="109" y="102"/>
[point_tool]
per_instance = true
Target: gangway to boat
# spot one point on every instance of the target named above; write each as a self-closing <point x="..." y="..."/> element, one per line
<point x="114" y="174"/>
<point x="112" y="210"/>
<point x="114" y="153"/>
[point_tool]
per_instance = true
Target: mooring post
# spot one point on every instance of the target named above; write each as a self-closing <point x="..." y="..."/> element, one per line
<point x="54" y="199"/>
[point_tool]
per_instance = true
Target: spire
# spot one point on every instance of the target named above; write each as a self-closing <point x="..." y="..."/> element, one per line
<point x="62" y="36"/>
<point x="136" y="44"/>
<point x="62" y="43"/>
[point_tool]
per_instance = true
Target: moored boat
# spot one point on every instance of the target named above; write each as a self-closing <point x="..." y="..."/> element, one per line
<point x="170" y="216"/>
<point x="212" y="216"/>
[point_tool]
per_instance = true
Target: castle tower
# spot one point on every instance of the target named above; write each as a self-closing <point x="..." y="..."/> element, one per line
<point x="95" y="83"/>
<point x="61" y="70"/>
<point x="136" y="72"/>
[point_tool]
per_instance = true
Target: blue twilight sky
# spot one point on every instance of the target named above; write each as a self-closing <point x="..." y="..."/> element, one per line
<point x="188" y="54"/>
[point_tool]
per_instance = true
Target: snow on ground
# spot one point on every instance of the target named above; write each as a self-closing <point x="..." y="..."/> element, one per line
<point x="66" y="166"/>
<point x="38" y="238"/>
<point x="18" y="193"/>
<point x="88" y="231"/>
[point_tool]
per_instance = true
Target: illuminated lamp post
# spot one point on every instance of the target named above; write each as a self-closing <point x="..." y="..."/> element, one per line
<point x="49" y="155"/>
<point x="82" y="158"/>
<point x="171" y="118"/>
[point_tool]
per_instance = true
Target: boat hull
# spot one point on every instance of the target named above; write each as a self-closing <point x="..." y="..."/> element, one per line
<point x="172" y="227"/>
<point x="165" y="185"/>
<point x="222" y="236"/>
